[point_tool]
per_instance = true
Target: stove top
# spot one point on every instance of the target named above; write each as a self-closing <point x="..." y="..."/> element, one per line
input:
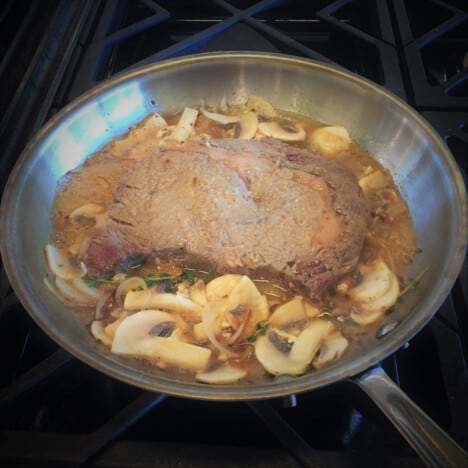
<point x="57" y="411"/>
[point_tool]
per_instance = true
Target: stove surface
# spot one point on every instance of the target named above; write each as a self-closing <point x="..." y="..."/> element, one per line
<point x="57" y="411"/>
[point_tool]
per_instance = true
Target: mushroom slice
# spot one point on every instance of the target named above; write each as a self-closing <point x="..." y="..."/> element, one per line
<point x="98" y="331"/>
<point x="222" y="375"/>
<point x="330" y="350"/>
<point x="272" y="352"/>
<point x="386" y="301"/>
<point x="133" y="283"/>
<point x="274" y="360"/>
<point x="289" y="312"/>
<point x="197" y="292"/>
<point x="61" y="265"/>
<point x="261" y="107"/>
<point x="248" y="125"/>
<point x="365" y="318"/>
<point x="89" y="210"/>
<point x="221" y="118"/>
<point x="330" y="140"/>
<point x="154" y="120"/>
<point x="372" y="181"/>
<point x="151" y="298"/>
<point x="221" y="286"/>
<point x="282" y="132"/>
<point x="146" y="334"/>
<point x="377" y="279"/>
<point x="185" y="125"/>
<point x="308" y="342"/>
<point x="111" y="328"/>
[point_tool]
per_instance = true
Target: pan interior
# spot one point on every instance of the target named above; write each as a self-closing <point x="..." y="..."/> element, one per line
<point x="400" y="139"/>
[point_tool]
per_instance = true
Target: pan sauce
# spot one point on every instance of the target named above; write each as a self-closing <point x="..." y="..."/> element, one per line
<point x="241" y="342"/>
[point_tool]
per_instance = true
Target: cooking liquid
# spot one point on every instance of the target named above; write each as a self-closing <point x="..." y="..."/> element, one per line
<point x="391" y="235"/>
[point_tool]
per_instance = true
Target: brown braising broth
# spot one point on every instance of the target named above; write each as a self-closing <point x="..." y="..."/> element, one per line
<point x="391" y="236"/>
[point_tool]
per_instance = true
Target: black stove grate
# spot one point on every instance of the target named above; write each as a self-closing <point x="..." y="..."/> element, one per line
<point x="57" y="411"/>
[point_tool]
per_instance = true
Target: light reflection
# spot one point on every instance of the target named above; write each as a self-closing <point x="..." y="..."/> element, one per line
<point x="88" y="128"/>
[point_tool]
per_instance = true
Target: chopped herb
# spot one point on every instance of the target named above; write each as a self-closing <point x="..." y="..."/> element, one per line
<point x="94" y="281"/>
<point x="260" y="329"/>
<point x="413" y="284"/>
<point x="151" y="279"/>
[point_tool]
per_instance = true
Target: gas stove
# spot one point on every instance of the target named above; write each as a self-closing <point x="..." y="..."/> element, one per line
<point x="57" y="411"/>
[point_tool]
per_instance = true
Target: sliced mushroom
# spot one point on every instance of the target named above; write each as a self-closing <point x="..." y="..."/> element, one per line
<point x="61" y="265"/>
<point x="111" y="328"/>
<point x="385" y="301"/>
<point x="248" y="125"/>
<point x="372" y="181"/>
<point x="376" y="281"/>
<point x="151" y="298"/>
<point x="133" y="283"/>
<point x="197" y="292"/>
<point x="308" y="342"/>
<point x="365" y="318"/>
<point x="221" y="286"/>
<point x="89" y="210"/>
<point x="226" y="374"/>
<point x="98" y="331"/>
<point x="330" y="140"/>
<point x="291" y="358"/>
<point x="135" y="336"/>
<point x="283" y="132"/>
<point x="330" y="350"/>
<point x="261" y="107"/>
<point x="377" y="292"/>
<point x="185" y="125"/>
<point x="154" y="120"/>
<point x="288" y="313"/>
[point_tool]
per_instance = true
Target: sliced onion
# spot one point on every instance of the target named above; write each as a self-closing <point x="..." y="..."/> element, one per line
<point x="60" y="265"/>
<point x="222" y="375"/>
<point x="104" y="296"/>
<point x="80" y="285"/>
<point x="130" y="284"/>
<point x="69" y="292"/>
<point x="221" y="118"/>
<point x="208" y="319"/>
<point x="238" y="332"/>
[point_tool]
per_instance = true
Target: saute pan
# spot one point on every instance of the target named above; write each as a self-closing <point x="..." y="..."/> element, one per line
<point x="398" y="137"/>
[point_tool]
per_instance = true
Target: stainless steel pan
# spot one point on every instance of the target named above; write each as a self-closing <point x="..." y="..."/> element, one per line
<point x="397" y="136"/>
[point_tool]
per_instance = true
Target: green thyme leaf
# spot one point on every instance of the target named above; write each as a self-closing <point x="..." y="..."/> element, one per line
<point x="260" y="329"/>
<point x="413" y="284"/>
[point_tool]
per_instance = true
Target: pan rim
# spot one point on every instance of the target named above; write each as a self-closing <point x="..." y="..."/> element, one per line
<point x="132" y="376"/>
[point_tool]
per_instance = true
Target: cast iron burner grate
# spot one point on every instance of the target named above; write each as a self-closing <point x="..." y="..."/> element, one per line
<point x="55" y="410"/>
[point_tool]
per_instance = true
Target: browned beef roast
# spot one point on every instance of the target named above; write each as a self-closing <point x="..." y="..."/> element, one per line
<point x="242" y="206"/>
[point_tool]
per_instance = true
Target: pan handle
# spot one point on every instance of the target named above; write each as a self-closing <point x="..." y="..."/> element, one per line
<point x="431" y="443"/>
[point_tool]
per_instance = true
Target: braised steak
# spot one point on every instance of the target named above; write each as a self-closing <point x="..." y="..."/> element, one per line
<point x="243" y="206"/>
